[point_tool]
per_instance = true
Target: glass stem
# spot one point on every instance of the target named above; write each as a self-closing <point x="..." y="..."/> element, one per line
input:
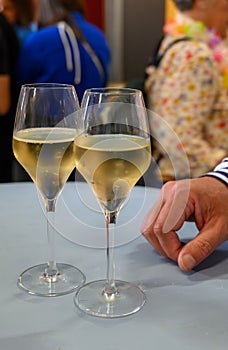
<point x="110" y="291"/>
<point x="51" y="273"/>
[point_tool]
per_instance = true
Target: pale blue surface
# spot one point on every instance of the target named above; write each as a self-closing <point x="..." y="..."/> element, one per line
<point x="182" y="312"/>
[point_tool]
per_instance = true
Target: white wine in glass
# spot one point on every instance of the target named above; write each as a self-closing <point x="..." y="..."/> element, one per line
<point x="112" y="154"/>
<point x="43" y="136"/>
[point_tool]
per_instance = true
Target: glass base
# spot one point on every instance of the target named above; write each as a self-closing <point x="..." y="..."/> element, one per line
<point x="34" y="281"/>
<point x="127" y="300"/>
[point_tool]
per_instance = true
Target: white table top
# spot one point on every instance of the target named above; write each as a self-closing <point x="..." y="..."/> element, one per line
<point x="183" y="310"/>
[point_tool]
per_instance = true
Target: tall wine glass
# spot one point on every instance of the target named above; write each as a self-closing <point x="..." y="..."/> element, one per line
<point x="112" y="153"/>
<point x="43" y="136"/>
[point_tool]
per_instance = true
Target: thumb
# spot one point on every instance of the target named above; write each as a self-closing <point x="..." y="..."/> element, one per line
<point x="197" y="250"/>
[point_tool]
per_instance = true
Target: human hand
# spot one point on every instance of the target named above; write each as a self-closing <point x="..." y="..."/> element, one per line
<point x="203" y="200"/>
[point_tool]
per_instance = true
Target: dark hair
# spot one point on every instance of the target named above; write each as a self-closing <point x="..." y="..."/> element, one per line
<point x="24" y="11"/>
<point x="74" y="5"/>
<point x="54" y="11"/>
<point x="50" y="12"/>
<point x="183" y="5"/>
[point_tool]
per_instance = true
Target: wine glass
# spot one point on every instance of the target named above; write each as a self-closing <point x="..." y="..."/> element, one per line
<point x="43" y="136"/>
<point x="112" y="153"/>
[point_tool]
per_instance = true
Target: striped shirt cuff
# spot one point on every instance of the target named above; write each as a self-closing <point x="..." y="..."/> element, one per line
<point x="220" y="172"/>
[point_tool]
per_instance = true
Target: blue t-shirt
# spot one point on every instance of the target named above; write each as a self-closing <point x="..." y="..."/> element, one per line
<point x="24" y="32"/>
<point x="48" y="55"/>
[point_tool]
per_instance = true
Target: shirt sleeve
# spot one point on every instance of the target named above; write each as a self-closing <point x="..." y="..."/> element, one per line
<point x="220" y="172"/>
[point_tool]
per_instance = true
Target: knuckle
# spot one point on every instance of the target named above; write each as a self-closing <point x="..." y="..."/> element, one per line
<point x="157" y="228"/>
<point x="146" y="233"/>
<point x="204" y="246"/>
<point x="169" y="186"/>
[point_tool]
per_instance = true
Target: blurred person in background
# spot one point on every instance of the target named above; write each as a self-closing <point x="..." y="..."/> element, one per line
<point x="189" y="90"/>
<point x="65" y="49"/>
<point x="21" y="13"/>
<point x="9" y="50"/>
<point x="21" y="16"/>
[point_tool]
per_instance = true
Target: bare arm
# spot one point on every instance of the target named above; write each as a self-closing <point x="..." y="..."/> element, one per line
<point x="5" y="96"/>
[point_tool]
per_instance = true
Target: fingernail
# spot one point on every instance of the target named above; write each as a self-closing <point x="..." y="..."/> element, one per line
<point x="188" y="262"/>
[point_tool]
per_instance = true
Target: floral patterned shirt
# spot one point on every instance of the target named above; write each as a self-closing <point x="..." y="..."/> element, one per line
<point x="191" y="110"/>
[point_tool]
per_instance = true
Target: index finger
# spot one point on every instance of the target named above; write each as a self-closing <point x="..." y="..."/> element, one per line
<point x="170" y="209"/>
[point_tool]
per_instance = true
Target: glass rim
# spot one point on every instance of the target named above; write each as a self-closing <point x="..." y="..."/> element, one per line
<point x="113" y="90"/>
<point x="47" y="85"/>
